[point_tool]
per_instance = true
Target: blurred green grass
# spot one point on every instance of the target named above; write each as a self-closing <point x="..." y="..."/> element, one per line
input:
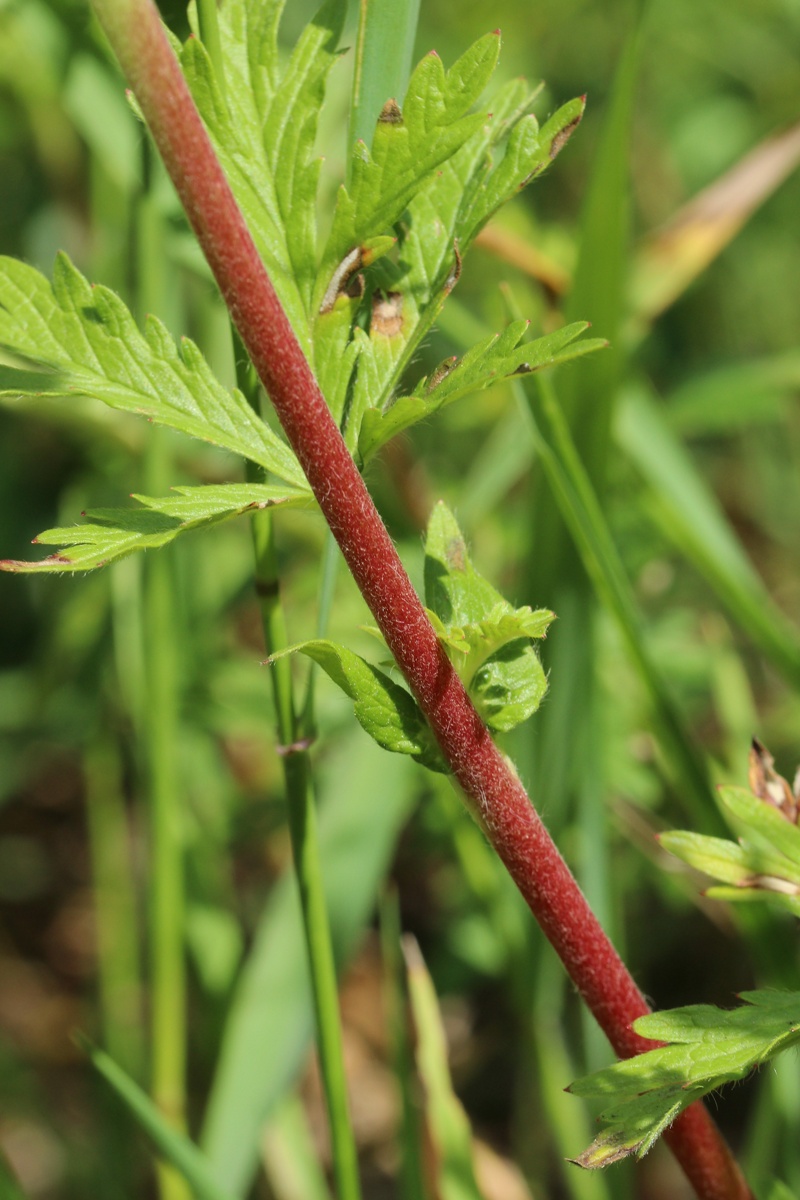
<point x="712" y="82"/>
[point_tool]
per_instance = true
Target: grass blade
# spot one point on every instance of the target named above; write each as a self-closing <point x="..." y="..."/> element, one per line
<point x="270" y="1023"/>
<point x="384" y="52"/>
<point x="182" y="1154"/>
<point x="674" y="256"/>
<point x="690" y="516"/>
<point x="448" y="1127"/>
<point x="580" y="508"/>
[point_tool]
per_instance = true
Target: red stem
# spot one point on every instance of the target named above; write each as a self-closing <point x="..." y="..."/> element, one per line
<point x="510" y="820"/>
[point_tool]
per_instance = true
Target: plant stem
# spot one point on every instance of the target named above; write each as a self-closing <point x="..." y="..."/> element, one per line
<point x="308" y="871"/>
<point x="160" y="727"/>
<point x="508" y="817"/>
<point x="115" y="906"/>
<point x="303" y="832"/>
<point x="168" y="1014"/>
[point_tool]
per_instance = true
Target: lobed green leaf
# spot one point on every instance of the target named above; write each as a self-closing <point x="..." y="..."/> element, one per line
<point x="91" y="342"/>
<point x="489" y="641"/>
<point x="116" y="532"/>
<point x="763" y="865"/>
<point x="387" y="712"/>
<point x="263" y="124"/>
<point x="707" y="1047"/>
<point x="493" y="360"/>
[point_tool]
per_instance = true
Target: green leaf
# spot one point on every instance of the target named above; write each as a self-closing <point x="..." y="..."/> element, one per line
<point x="753" y="815"/>
<point x="440" y="224"/>
<point x="707" y="1047"/>
<point x="763" y="865"/>
<point x="487" y="638"/>
<point x="174" y="1146"/>
<point x="387" y="712"/>
<point x="691" y="517"/>
<point x="407" y="147"/>
<point x="264" y="130"/>
<point x="446" y="1123"/>
<point x="115" y="532"/>
<point x="493" y="360"/>
<point x="89" y="338"/>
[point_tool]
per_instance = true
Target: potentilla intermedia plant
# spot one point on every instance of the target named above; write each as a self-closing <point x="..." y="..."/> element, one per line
<point x="331" y="328"/>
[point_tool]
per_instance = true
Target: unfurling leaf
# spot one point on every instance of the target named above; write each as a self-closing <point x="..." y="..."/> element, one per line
<point x="387" y="712"/>
<point x="115" y="532"/>
<point x="489" y="641"/>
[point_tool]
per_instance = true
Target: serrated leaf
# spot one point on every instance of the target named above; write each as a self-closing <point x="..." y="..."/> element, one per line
<point x="495" y="359"/>
<point x="488" y="640"/>
<point x="406" y="147"/>
<point x="706" y="1048"/>
<point x="410" y="157"/>
<point x="713" y="856"/>
<point x="91" y="341"/>
<point x="116" y="532"/>
<point x="387" y="712"/>
<point x="263" y="128"/>
<point x="441" y="222"/>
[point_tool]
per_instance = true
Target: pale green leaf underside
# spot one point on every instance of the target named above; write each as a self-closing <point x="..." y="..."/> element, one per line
<point x="112" y="533"/>
<point x="89" y="339"/>
<point x="488" y="640"/>
<point x="387" y="712"/>
<point x="763" y="865"/>
<point x="707" y="1047"/>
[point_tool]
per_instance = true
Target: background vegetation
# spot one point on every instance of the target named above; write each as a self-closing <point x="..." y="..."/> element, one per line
<point x="690" y="434"/>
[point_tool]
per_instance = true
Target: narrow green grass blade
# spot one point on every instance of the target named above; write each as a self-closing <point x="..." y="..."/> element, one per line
<point x="580" y="508"/>
<point x="732" y="398"/>
<point x="690" y="516"/>
<point x="568" y="1123"/>
<point x="270" y="1026"/>
<point x="291" y="1165"/>
<point x="599" y="286"/>
<point x="384" y="52"/>
<point x="411" y="1173"/>
<point x="505" y="456"/>
<point x="182" y="1154"/>
<point x="447" y="1124"/>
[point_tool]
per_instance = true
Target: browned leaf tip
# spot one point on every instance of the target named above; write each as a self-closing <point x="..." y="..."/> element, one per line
<point x="769" y="786"/>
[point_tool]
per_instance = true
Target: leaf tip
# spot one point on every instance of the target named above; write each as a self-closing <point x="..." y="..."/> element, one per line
<point x="562" y="137"/>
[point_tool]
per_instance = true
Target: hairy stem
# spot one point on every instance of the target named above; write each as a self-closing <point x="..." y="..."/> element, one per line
<point x="496" y="793"/>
